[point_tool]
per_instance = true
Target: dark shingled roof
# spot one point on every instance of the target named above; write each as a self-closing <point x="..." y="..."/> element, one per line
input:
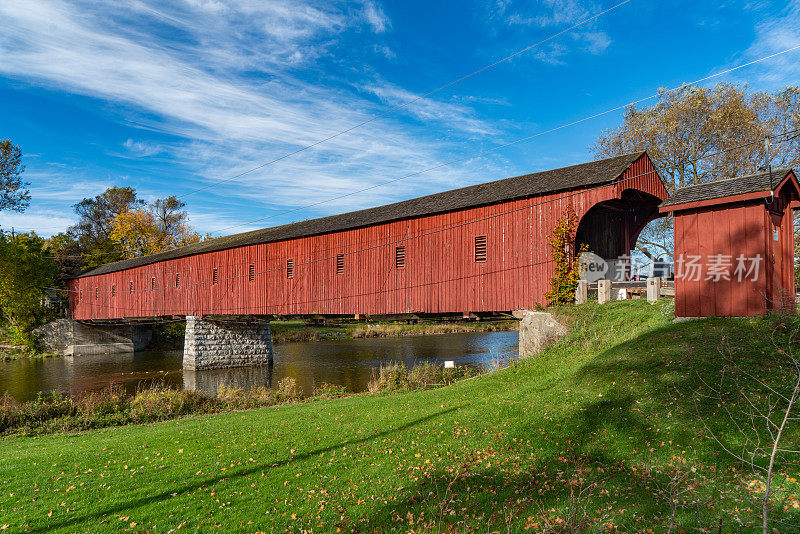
<point x="752" y="183"/>
<point x="575" y="176"/>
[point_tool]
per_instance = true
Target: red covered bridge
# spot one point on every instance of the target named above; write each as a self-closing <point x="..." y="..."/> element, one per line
<point x="477" y="249"/>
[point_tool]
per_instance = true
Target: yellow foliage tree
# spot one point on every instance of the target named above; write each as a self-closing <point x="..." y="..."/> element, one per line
<point x="145" y="231"/>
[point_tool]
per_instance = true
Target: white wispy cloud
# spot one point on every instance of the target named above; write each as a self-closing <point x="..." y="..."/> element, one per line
<point x="773" y="34"/>
<point x="376" y="17"/>
<point x="555" y="14"/>
<point x="44" y="223"/>
<point x="227" y="81"/>
<point x="454" y="115"/>
<point x="143" y="148"/>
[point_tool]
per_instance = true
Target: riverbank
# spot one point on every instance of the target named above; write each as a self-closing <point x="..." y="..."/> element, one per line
<point x="292" y="332"/>
<point x="11" y="350"/>
<point x="170" y="337"/>
<point x="114" y="406"/>
<point x="615" y="428"/>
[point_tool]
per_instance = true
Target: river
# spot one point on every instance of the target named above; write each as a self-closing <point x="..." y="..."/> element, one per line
<point x="349" y="363"/>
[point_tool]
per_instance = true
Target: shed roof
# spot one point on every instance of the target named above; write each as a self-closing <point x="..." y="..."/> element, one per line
<point x="762" y="182"/>
<point x="572" y="177"/>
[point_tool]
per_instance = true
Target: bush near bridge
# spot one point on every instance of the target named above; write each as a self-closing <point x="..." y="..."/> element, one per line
<point x="607" y="430"/>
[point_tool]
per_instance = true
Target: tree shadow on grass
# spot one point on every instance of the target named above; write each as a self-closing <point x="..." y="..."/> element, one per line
<point x="187" y="488"/>
<point x="562" y="493"/>
<point x="650" y="385"/>
<point x="673" y="375"/>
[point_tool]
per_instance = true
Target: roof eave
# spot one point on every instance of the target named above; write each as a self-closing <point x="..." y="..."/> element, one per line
<point x="757" y="195"/>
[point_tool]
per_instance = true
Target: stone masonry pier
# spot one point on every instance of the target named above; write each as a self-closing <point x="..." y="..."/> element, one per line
<point x="216" y="344"/>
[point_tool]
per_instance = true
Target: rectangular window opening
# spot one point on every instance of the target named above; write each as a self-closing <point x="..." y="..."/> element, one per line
<point x="340" y="264"/>
<point x="153" y="283"/>
<point x="400" y="257"/>
<point x="480" y="248"/>
<point x="289" y="268"/>
<point x="251" y="275"/>
<point x="177" y="279"/>
<point x="96" y="293"/>
<point x="215" y="276"/>
<point x="113" y="290"/>
<point x="130" y="286"/>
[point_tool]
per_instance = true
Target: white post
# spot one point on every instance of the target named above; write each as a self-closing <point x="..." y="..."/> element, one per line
<point x="581" y="292"/>
<point x="653" y="289"/>
<point x="603" y="291"/>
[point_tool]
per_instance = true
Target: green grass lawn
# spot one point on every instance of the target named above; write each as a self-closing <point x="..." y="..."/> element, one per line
<point x="606" y="423"/>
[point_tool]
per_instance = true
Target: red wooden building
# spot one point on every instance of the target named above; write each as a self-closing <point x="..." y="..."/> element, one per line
<point x="734" y="245"/>
<point x="477" y="249"/>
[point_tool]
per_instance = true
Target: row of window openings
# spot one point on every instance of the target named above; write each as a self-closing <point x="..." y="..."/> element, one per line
<point x="399" y="263"/>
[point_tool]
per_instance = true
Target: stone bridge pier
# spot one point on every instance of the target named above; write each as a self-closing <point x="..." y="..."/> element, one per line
<point x="216" y="343"/>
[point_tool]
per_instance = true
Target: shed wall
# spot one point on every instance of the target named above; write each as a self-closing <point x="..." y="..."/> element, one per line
<point x="731" y="230"/>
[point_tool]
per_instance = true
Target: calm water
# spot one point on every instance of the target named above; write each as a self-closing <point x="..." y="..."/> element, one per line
<point x="343" y="362"/>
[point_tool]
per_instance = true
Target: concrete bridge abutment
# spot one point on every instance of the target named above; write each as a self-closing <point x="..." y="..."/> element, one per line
<point x="218" y="344"/>
<point x="69" y="337"/>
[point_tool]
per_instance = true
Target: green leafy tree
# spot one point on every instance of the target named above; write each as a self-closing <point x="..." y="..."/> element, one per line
<point x="14" y="194"/>
<point x="67" y="254"/>
<point x="26" y="270"/>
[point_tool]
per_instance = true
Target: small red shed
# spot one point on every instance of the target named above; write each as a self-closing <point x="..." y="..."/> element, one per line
<point x="734" y="245"/>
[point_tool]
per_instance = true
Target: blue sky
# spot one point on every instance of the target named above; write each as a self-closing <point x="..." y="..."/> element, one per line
<point x="169" y="97"/>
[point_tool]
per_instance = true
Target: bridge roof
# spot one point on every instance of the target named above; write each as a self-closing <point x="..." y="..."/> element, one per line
<point x="564" y="178"/>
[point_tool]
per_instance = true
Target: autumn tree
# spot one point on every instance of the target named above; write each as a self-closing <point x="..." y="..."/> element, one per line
<point x="566" y="271"/>
<point x="161" y="225"/>
<point x="692" y="136"/>
<point x="96" y="221"/>
<point x="14" y="194"/>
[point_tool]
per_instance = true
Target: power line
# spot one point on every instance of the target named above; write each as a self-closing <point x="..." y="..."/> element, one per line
<point x="405" y="104"/>
<point x="773" y="136"/>
<point x="506" y="145"/>
<point x="406" y="239"/>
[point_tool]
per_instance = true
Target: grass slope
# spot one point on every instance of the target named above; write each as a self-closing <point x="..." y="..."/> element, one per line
<point x="603" y="421"/>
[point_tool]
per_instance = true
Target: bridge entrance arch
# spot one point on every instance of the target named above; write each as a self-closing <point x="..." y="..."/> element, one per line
<point x="611" y="228"/>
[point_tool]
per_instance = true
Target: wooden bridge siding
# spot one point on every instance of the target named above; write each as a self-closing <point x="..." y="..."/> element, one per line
<point x="440" y="276"/>
<point x="734" y="230"/>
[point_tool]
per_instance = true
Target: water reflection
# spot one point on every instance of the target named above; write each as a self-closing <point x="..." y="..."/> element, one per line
<point x="345" y="362"/>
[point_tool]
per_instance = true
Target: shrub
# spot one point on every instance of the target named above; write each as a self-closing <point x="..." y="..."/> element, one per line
<point x="390" y="377"/>
<point x="236" y="398"/>
<point x="160" y="402"/>
<point x="329" y="391"/>
<point x="109" y="401"/>
<point x="288" y="390"/>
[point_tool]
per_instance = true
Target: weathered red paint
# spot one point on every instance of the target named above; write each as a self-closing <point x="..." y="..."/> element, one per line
<point x="440" y="273"/>
<point x="734" y="226"/>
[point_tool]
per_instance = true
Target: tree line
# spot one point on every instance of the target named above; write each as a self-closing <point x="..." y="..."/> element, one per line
<point x="112" y="226"/>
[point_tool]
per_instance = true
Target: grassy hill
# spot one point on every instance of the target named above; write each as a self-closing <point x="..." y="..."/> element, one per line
<point x="610" y="429"/>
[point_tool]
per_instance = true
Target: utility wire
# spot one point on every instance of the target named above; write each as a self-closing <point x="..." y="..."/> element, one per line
<point x="506" y="145"/>
<point x="407" y="103"/>
<point x="511" y="143"/>
<point x="772" y="136"/>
